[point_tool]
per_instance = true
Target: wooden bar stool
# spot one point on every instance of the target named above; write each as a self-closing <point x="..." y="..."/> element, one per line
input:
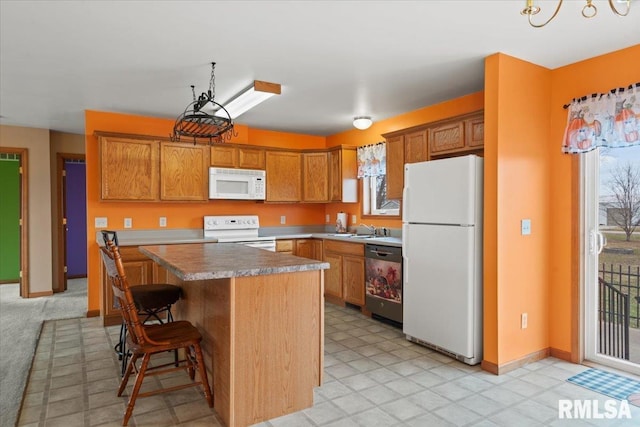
<point x="144" y="341"/>
<point x="151" y="300"/>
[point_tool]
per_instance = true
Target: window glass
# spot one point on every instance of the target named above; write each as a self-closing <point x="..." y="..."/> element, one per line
<point x="374" y="200"/>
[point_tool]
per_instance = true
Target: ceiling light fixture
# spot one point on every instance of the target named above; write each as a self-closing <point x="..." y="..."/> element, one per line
<point x="250" y="97"/>
<point x="197" y="123"/>
<point x="588" y="11"/>
<point x="362" y="122"/>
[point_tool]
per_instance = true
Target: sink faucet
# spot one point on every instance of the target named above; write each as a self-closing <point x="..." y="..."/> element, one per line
<point x="371" y="228"/>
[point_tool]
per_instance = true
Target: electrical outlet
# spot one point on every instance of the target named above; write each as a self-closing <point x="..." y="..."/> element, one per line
<point x="128" y="223"/>
<point x="524" y="321"/>
<point x="101" y="222"/>
<point x="327" y="218"/>
<point x="283" y="219"/>
<point x="163" y="221"/>
<point x="353" y="219"/>
<point x="525" y="227"/>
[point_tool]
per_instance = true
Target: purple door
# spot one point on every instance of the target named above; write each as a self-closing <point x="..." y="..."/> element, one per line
<point x="76" y="211"/>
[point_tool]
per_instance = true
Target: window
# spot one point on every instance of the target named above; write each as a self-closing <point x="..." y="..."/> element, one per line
<point x="374" y="197"/>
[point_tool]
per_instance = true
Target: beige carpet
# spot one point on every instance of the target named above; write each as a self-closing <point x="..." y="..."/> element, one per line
<point x="20" y="323"/>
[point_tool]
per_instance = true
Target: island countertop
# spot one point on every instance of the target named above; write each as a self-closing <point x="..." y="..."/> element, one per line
<point x="204" y="261"/>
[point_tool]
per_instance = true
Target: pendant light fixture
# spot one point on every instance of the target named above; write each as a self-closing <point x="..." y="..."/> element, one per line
<point x="588" y="11"/>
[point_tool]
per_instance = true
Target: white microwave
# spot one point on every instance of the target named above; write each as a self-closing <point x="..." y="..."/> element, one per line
<point x="237" y="184"/>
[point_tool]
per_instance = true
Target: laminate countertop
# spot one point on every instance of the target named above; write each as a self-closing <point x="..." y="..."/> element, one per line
<point x="204" y="261"/>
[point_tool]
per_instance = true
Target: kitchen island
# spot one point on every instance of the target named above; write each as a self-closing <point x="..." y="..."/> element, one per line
<point x="261" y="315"/>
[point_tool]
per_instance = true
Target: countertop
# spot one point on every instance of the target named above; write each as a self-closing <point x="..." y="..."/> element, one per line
<point x="182" y="236"/>
<point x="221" y="260"/>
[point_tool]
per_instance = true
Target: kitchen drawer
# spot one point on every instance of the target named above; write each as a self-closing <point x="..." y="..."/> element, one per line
<point x="284" y="245"/>
<point x="344" y="247"/>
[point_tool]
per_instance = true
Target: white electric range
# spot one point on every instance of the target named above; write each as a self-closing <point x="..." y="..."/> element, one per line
<point x="241" y="229"/>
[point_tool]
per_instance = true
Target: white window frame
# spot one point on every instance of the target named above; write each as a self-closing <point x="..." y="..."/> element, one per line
<point x="369" y="200"/>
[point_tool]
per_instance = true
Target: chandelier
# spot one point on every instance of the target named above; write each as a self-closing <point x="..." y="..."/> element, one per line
<point x="204" y="119"/>
<point x="588" y="11"/>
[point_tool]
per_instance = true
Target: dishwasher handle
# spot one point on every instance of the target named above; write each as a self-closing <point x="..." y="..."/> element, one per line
<point x="381" y="253"/>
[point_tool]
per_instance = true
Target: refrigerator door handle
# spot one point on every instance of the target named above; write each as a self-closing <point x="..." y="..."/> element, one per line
<point x="405" y="201"/>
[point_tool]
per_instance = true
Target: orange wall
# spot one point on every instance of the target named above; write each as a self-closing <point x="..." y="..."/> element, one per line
<point x="527" y="176"/>
<point x="516" y="187"/>
<point x="599" y="74"/>
<point x="179" y="215"/>
<point x="355" y="137"/>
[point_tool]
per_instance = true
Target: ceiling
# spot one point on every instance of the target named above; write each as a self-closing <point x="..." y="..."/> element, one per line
<point x="334" y="59"/>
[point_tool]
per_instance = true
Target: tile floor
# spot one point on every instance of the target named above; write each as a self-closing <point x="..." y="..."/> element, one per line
<point x="373" y="377"/>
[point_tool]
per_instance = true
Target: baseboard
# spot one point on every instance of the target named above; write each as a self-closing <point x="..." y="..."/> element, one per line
<point x="10" y="282"/>
<point x="40" y="294"/>
<point x="514" y="364"/>
<point x="93" y="313"/>
<point x="561" y="354"/>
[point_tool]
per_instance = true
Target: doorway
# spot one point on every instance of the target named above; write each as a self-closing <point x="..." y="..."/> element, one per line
<point x="72" y="219"/>
<point x="14" y="259"/>
<point x="610" y="183"/>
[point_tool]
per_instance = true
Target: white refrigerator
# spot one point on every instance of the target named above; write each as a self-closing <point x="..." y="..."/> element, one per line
<point x="442" y="254"/>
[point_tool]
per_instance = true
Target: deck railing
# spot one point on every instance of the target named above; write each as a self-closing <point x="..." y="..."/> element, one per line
<point x="626" y="279"/>
<point x="613" y="324"/>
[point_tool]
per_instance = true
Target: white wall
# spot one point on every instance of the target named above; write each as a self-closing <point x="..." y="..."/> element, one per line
<point x="36" y="141"/>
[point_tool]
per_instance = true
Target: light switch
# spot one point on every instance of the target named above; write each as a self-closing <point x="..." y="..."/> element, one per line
<point x="525" y="227"/>
<point x="101" y="222"/>
<point x="128" y="223"/>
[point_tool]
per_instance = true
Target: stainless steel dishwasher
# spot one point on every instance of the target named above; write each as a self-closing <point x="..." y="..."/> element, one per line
<point x="383" y="281"/>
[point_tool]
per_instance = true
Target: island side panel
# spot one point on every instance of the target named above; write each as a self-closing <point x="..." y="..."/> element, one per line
<point x="278" y="344"/>
<point x="208" y="304"/>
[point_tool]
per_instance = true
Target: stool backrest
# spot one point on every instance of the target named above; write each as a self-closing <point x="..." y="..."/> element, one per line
<point x="122" y="292"/>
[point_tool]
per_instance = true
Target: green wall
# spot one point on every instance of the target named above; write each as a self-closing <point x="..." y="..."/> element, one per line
<point x="9" y="220"/>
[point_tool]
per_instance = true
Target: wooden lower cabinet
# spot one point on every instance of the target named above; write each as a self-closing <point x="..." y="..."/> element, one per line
<point x="344" y="280"/>
<point x="308" y="248"/>
<point x="139" y="270"/>
<point x="284" y="246"/>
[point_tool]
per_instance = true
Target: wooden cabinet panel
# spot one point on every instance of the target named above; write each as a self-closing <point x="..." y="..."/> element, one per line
<point x="446" y="137"/>
<point x="343" y="184"/>
<point x="284" y="246"/>
<point x="283" y="176"/>
<point x="333" y="276"/>
<point x="232" y="156"/>
<point x="183" y="172"/>
<point x="250" y="158"/>
<point x="395" y="167"/>
<point x="139" y="270"/>
<point x="344" y="247"/>
<point x="345" y="277"/>
<point x="415" y="147"/>
<point x="474" y="132"/>
<point x="315" y="176"/>
<point x="353" y="279"/>
<point x="128" y="169"/>
<point x="224" y="156"/>
<point x="309" y="248"/>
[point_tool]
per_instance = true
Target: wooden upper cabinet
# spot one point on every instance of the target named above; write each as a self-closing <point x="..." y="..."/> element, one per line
<point x="395" y="166"/>
<point x="315" y="177"/>
<point x="283" y="176"/>
<point x="232" y="156"/>
<point x="250" y="158"/>
<point x="224" y="156"/>
<point x="183" y="171"/>
<point x="128" y="169"/>
<point x="474" y="132"/>
<point x="415" y="147"/>
<point x="446" y="137"/>
<point x="343" y="184"/>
